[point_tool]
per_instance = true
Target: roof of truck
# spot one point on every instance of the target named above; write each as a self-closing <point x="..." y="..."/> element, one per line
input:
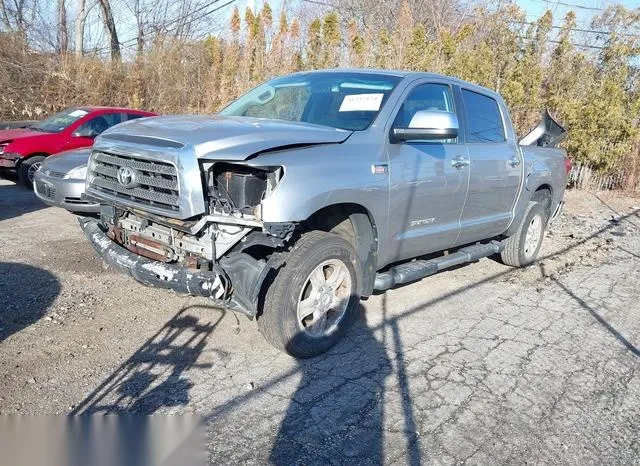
<point x="406" y="74"/>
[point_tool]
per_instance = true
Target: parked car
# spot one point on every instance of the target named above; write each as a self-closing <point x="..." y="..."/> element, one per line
<point x="315" y="189"/>
<point x="17" y="124"/>
<point x="24" y="149"/>
<point x="60" y="181"/>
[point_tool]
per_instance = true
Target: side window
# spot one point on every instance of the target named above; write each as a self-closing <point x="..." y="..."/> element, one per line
<point x="436" y="97"/>
<point x="97" y="125"/>
<point x="484" y="121"/>
<point x="132" y="116"/>
<point x="424" y="97"/>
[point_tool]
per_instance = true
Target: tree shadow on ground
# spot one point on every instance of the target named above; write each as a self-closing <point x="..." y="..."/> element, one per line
<point x="26" y="292"/>
<point x="153" y="377"/>
<point x="338" y="408"/>
<point x="16" y="199"/>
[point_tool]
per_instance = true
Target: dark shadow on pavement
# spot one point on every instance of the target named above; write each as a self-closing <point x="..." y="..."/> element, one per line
<point x="619" y="216"/>
<point x="26" y="292"/>
<point x="337" y="410"/>
<point x="154" y="376"/>
<point x="629" y="252"/>
<point x="607" y="326"/>
<point x="16" y="199"/>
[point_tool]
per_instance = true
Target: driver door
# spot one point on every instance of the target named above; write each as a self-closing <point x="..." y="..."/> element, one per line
<point x="429" y="179"/>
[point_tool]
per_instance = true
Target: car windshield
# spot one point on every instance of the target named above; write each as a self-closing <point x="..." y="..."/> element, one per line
<point x="58" y="122"/>
<point x="345" y="100"/>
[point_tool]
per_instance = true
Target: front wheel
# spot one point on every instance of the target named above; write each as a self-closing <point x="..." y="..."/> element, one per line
<point x="522" y="248"/>
<point x="314" y="297"/>
<point x="27" y="169"/>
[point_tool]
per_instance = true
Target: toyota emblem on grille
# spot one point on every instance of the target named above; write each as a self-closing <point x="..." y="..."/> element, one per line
<point x="126" y="177"/>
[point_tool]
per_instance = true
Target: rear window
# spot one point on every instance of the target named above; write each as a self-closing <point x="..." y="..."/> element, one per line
<point x="133" y="116"/>
<point x="484" y="121"/>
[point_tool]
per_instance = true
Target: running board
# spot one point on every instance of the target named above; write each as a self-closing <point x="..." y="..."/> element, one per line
<point x="418" y="269"/>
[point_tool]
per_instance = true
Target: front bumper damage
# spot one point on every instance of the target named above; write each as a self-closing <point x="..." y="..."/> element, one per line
<point x="246" y="273"/>
<point x="8" y="161"/>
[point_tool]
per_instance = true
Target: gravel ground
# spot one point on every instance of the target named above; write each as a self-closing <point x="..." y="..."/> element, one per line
<point x="482" y="364"/>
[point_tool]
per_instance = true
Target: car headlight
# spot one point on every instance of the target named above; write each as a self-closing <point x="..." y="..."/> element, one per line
<point x="2" y="146"/>
<point x="78" y="173"/>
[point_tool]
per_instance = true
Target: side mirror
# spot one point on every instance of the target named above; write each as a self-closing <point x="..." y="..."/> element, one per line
<point x="428" y="125"/>
<point x="84" y="131"/>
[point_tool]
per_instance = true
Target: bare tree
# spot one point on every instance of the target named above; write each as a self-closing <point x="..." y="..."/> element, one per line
<point x="63" y="35"/>
<point x="434" y="14"/>
<point x="14" y="14"/>
<point x="110" y="27"/>
<point x="81" y="19"/>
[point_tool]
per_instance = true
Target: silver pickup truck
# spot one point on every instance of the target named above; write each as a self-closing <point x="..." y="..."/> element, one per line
<point x="315" y="189"/>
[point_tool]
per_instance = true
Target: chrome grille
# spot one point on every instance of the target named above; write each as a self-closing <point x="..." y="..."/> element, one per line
<point x="156" y="183"/>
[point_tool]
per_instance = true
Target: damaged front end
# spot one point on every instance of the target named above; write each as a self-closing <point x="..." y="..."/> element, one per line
<point x="224" y="254"/>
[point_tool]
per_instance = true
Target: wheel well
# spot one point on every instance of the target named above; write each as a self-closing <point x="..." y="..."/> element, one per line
<point x="355" y="224"/>
<point x="36" y="154"/>
<point x="544" y="195"/>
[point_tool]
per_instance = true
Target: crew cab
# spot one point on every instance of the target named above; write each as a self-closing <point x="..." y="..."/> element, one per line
<point x="24" y="149"/>
<point x="315" y="189"/>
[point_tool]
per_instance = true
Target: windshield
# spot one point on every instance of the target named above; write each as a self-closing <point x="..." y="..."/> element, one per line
<point x="345" y="100"/>
<point x="58" y="122"/>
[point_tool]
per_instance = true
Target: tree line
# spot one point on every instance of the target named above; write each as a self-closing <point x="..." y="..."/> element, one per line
<point x="587" y="77"/>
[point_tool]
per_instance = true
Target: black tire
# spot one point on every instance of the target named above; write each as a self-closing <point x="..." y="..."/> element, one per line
<point x="279" y="322"/>
<point x="518" y="252"/>
<point x="27" y="169"/>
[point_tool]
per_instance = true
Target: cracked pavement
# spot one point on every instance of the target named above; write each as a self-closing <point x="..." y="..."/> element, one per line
<point x="483" y="364"/>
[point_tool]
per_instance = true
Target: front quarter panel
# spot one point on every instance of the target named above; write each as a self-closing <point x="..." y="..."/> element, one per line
<point x="325" y="175"/>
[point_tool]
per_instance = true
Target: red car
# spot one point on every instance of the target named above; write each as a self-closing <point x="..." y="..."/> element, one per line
<point x="24" y="149"/>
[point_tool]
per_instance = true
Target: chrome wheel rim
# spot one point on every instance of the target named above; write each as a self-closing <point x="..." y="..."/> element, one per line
<point x="324" y="298"/>
<point x="532" y="238"/>
<point x="32" y="170"/>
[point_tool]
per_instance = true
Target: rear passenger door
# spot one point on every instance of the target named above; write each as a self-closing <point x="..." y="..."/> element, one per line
<point x="495" y="170"/>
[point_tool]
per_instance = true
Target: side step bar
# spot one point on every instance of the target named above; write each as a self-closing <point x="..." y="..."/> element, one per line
<point x="418" y="269"/>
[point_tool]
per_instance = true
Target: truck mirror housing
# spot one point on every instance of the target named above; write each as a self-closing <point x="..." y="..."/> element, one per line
<point x="428" y="125"/>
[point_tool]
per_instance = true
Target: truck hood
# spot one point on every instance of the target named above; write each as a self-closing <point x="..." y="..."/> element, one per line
<point x="8" y="135"/>
<point x="221" y="138"/>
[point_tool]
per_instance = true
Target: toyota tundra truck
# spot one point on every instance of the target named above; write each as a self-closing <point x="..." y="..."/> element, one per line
<point x="314" y="190"/>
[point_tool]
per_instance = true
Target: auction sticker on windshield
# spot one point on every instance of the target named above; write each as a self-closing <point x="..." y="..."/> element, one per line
<point x="78" y="113"/>
<point x="361" y="103"/>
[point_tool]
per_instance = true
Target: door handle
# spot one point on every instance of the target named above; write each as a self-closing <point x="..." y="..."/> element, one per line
<point x="514" y="161"/>
<point x="460" y="162"/>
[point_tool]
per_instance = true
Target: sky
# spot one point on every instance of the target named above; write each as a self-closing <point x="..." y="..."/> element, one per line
<point x="584" y="9"/>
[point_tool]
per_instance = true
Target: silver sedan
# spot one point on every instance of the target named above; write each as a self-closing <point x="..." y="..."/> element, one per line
<point x="60" y="181"/>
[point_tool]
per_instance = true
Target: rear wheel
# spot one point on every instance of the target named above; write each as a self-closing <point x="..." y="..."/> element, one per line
<point x="28" y="168"/>
<point x="314" y="298"/>
<point x="522" y="248"/>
